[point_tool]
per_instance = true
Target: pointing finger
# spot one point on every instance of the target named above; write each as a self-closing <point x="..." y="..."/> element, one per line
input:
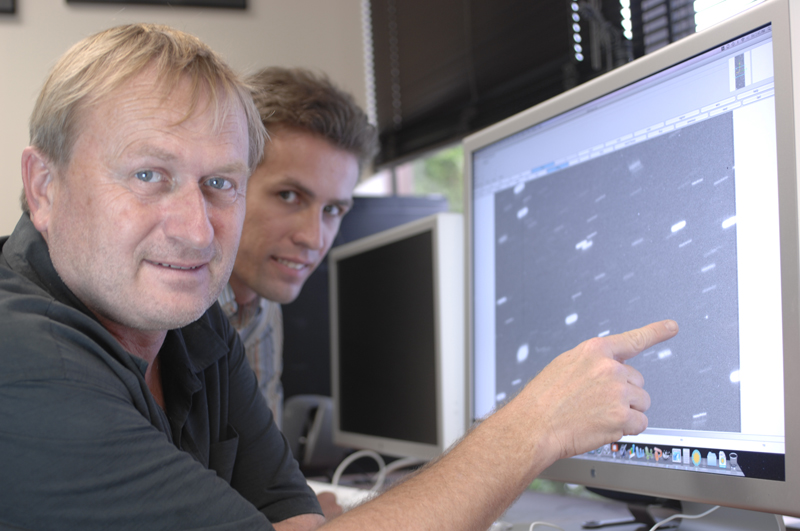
<point x="628" y="344"/>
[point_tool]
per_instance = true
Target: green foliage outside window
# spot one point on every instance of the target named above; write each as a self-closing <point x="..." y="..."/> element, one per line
<point x="442" y="173"/>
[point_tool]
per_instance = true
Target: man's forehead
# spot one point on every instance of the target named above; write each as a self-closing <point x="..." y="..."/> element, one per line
<point x="150" y="122"/>
<point x="280" y="133"/>
<point x="178" y="92"/>
<point x="149" y="102"/>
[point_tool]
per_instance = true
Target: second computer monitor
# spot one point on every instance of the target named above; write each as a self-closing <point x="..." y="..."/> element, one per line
<point x="397" y="338"/>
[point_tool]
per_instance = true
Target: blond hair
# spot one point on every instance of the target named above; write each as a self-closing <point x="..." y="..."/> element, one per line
<point x="94" y="67"/>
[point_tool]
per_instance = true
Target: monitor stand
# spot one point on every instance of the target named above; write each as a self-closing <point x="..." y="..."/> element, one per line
<point x="644" y="514"/>
<point x="729" y="519"/>
<point x="723" y="519"/>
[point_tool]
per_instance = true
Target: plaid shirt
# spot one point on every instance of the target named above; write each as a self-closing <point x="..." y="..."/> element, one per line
<point x="260" y="324"/>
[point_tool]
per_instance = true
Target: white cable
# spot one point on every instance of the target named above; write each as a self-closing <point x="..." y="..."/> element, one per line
<point x="534" y="524"/>
<point x="684" y="516"/>
<point x="403" y="463"/>
<point x="380" y="478"/>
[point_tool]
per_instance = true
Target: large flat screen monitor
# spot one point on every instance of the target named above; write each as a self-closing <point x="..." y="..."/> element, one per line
<point x="397" y="338"/>
<point x="664" y="189"/>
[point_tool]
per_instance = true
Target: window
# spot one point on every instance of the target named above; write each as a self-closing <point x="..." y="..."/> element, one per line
<point x="652" y="24"/>
<point x="710" y="12"/>
<point x="438" y="173"/>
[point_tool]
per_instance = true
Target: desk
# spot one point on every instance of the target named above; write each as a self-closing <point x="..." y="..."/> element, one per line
<point x="568" y="512"/>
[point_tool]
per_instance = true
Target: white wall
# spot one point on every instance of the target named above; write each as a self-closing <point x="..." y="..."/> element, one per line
<point x="323" y="35"/>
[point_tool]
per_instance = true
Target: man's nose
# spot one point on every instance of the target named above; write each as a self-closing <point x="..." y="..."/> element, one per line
<point x="187" y="220"/>
<point x="309" y="231"/>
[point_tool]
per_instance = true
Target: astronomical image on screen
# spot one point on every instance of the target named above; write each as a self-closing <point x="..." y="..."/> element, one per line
<point x="638" y="235"/>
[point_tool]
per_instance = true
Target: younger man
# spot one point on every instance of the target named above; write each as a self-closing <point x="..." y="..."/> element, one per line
<point x="296" y="198"/>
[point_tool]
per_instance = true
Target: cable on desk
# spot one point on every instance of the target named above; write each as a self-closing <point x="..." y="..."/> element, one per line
<point x="684" y="516"/>
<point x="380" y="477"/>
<point x="534" y="524"/>
<point x="403" y="463"/>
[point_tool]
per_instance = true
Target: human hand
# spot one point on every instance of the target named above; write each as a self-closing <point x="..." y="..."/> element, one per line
<point x="588" y="397"/>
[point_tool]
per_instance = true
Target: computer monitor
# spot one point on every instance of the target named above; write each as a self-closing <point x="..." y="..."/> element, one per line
<point x="397" y="338"/>
<point x="664" y="189"/>
<point x="306" y="321"/>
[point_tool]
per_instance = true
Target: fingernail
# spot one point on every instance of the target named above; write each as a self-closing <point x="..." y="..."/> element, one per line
<point x="671" y="325"/>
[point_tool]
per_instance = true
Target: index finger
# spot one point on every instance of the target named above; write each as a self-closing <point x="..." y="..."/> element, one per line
<point x="628" y="344"/>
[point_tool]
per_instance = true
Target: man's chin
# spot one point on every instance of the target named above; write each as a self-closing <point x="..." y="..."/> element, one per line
<point x="171" y="321"/>
<point x="171" y="316"/>
<point x="284" y="294"/>
<point x="284" y="299"/>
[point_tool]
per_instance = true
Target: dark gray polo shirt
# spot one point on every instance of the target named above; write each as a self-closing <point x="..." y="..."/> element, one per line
<point x="84" y="446"/>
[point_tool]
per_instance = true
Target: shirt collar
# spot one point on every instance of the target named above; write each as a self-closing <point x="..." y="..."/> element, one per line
<point x="27" y="253"/>
<point x="204" y="340"/>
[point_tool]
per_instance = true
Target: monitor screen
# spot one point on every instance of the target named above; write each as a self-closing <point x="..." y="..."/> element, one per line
<point x="665" y="189"/>
<point x="397" y="338"/>
<point x="306" y="355"/>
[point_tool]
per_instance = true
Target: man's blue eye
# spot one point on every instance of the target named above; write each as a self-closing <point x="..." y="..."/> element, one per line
<point x="219" y="183"/>
<point x="147" y="176"/>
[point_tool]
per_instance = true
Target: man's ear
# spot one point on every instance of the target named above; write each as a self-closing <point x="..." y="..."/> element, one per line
<point x="37" y="178"/>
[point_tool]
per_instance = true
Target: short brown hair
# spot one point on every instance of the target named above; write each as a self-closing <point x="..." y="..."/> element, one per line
<point x="298" y="98"/>
<point x="94" y="67"/>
